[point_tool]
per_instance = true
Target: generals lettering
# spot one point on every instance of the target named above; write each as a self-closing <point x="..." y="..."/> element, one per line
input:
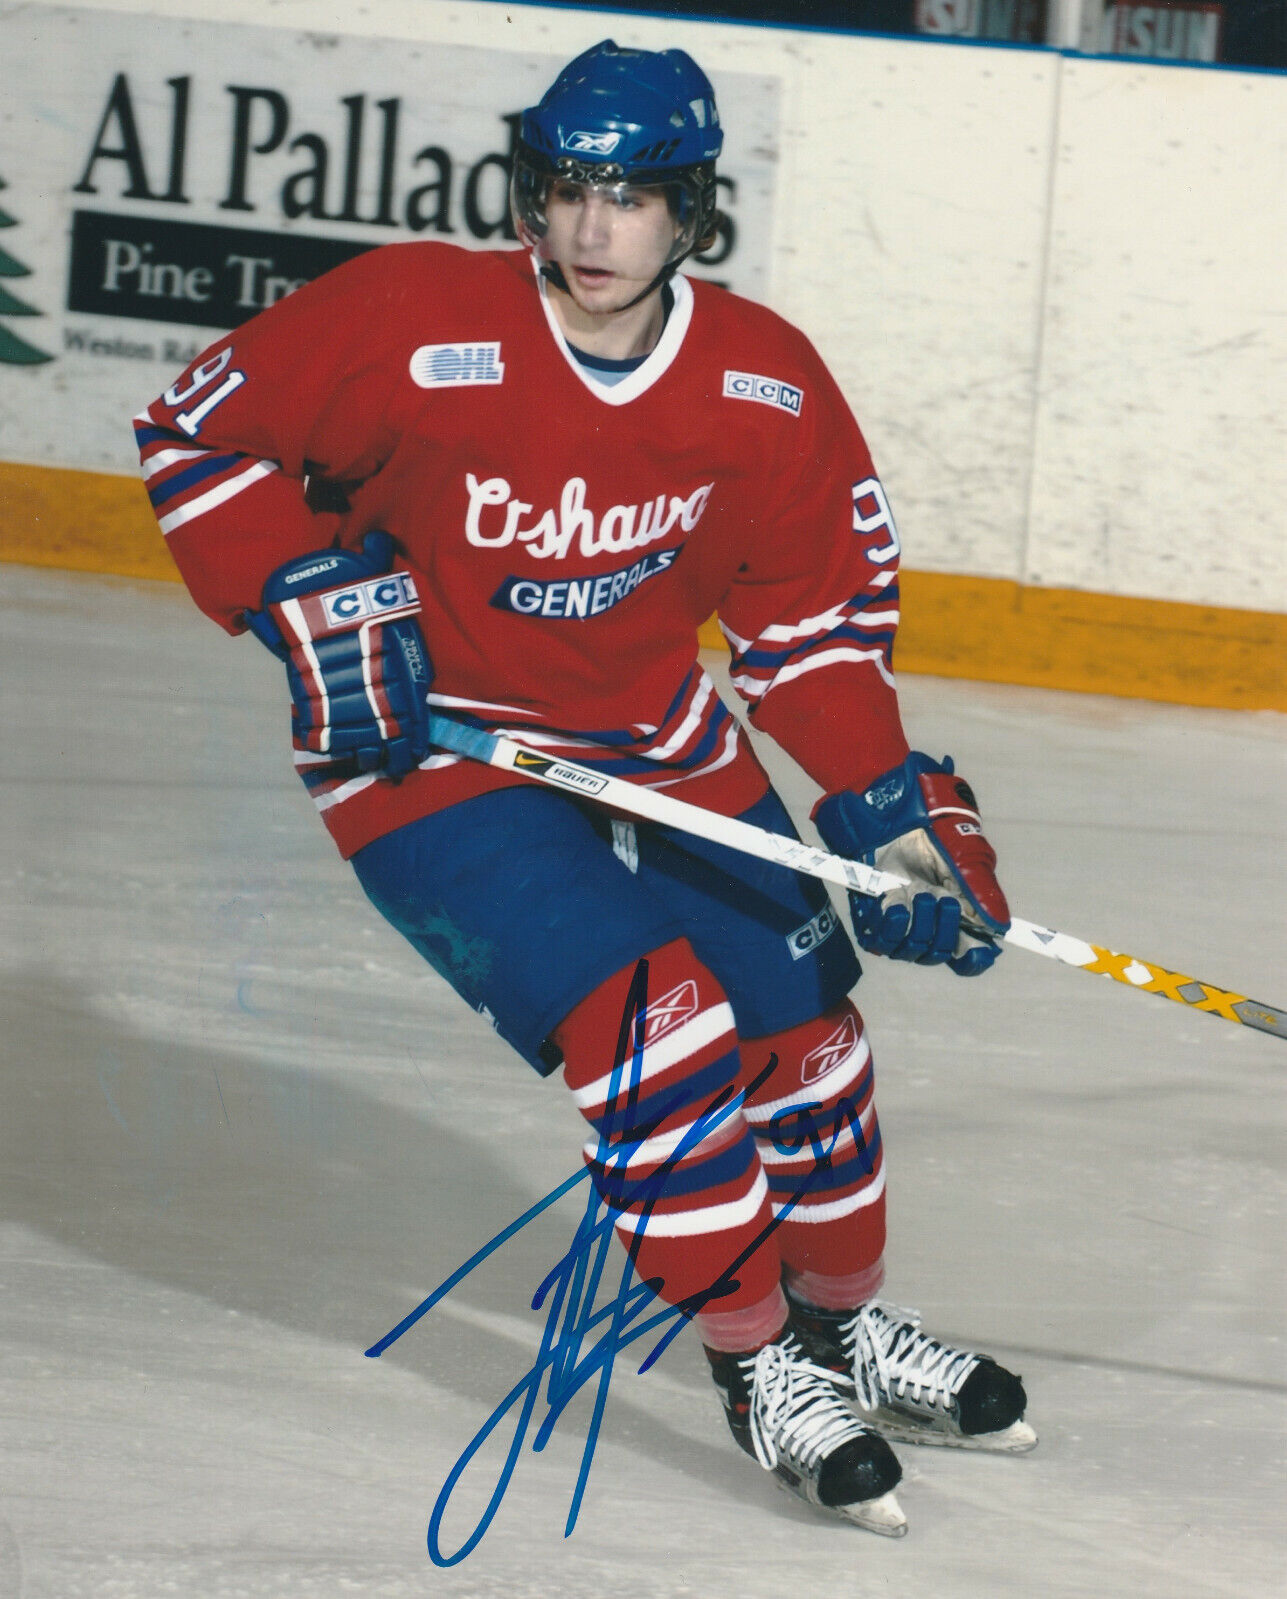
<point x="579" y="597"/>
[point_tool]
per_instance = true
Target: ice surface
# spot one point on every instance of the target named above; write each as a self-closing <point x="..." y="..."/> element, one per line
<point x="244" y="1131"/>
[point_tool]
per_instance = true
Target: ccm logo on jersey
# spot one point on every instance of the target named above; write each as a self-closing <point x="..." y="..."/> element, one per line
<point x="807" y="938"/>
<point x="379" y="597"/>
<point x="768" y="391"/>
<point x="443" y="366"/>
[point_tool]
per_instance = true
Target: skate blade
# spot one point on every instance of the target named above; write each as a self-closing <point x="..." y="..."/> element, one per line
<point x="884" y="1515"/>
<point x="894" y="1427"/>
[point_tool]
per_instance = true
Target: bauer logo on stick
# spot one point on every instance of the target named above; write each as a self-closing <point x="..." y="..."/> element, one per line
<point x="558" y="772"/>
<point x="571" y="777"/>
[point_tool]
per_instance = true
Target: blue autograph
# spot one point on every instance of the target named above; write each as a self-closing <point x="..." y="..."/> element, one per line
<point x="568" y="1357"/>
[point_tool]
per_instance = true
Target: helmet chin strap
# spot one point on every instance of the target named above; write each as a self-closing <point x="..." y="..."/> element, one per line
<point x="552" y="272"/>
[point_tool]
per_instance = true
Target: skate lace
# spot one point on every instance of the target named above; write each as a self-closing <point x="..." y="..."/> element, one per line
<point x="795" y="1410"/>
<point x="893" y="1359"/>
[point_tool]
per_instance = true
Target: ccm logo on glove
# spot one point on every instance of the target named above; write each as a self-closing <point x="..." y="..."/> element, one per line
<point x="384" y="594"/>
<point x="356" y="660"/>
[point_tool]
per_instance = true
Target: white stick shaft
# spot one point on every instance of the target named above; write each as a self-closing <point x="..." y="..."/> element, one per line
<point x="493" y="749"/>
<point x="653" y="806"/>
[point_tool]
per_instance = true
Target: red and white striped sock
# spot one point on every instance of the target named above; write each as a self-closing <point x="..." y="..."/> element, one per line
<point x="681" y="1174"/>
<point x="814" y="1120"/>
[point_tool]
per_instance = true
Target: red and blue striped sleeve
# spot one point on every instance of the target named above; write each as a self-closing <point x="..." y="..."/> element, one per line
<point x="812" y="615"/>
<point x="226" y="450"/>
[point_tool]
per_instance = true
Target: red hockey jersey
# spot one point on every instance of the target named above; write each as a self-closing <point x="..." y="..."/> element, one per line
<point x="567" y="536"/>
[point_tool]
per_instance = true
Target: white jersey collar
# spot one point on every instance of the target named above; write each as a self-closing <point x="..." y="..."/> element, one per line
<point x="648" y="371"/>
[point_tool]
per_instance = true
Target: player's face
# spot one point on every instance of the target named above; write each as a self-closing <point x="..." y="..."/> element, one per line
<point x="611" y="240"/>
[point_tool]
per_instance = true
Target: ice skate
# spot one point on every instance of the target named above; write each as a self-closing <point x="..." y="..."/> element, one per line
<point x="784" y="1409"/>
<point x="916" y="1389"/>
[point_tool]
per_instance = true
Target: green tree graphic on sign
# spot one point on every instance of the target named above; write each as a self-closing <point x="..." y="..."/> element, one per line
<point x="13" y="350"/>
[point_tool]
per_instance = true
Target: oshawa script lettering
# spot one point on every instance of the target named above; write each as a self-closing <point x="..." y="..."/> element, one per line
<point x="495" y="515"/>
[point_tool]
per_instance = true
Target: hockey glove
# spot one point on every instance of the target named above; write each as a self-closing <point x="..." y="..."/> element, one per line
<point x="345" y="624"/>
<point x="921" y="822"/>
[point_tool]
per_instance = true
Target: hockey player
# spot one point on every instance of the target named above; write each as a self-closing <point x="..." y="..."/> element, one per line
<point x="510" y="485"/>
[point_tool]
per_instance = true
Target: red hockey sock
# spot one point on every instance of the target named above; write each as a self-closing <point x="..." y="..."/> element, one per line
<point x="815" y="1123"/>
<point x="681" y="1174"/>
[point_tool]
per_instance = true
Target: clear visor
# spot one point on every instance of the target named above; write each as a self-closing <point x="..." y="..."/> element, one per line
<point x="536" y="195"/>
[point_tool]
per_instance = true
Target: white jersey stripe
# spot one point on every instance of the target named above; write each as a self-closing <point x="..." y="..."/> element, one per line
<point x="690" y="723"/>
<point x="337" y="796"/>
<point x="728" y="754"/>
<point x="163" y="458"/>
<point x="752" y="688"/>
<point x="739" y="645"/>
<point x="873" y="619"/>
<point x="219" y="495"/>
<point x="456" y="702"/>
<point x="828" y="621"/>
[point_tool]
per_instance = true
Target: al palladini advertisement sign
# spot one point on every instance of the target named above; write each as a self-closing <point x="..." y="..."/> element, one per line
<point x="164" y="180"/>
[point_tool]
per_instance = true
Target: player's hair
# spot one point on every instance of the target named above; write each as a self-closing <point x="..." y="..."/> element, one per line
<point x="642" y="117"/>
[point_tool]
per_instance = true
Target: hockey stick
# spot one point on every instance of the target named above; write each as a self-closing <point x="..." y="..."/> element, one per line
<point x="492" y="749"/>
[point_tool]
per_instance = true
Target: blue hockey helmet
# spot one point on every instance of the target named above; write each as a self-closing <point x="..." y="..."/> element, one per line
<point x="646" y="118"/>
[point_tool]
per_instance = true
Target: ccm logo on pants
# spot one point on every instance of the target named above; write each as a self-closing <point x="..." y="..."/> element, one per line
<point x="807" y="938"/>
